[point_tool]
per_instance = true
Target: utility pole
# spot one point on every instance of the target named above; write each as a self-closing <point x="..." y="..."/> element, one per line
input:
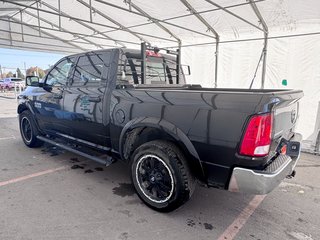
<point x="0" y="71"/>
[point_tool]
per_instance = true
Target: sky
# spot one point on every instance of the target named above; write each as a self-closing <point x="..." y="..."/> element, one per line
<point x="10" y="59"/>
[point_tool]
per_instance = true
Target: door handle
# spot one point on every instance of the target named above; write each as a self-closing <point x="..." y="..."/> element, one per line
<point x="94" y="99"/>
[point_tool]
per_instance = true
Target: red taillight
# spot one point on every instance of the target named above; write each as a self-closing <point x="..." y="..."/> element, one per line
<point x="257" y="138"/>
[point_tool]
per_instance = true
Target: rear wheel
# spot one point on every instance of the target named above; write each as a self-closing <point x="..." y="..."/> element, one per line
<point x="28" y="130"/>
<point x="161" y="176"/>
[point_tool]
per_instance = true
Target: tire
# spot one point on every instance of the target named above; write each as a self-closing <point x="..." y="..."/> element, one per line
<point x="161" y="175"/>
<point x="28" y="130"/>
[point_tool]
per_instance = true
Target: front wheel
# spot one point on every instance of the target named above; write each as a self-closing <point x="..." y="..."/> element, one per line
<point x="28" y="130"/>
<point x="161" y="175"/>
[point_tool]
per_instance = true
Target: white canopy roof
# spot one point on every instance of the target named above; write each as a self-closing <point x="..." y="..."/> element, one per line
<point x="69" y="26"/>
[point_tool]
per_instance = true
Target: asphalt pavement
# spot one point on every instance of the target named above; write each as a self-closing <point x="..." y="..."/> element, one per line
<point x="47" y="193"/>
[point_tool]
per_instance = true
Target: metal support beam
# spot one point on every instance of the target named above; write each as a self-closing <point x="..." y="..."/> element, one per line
<point x="145" y="14"/>
<point x="62" y="29"/>
<point x="50" y="38"/>
<point x="38" y="16"/>
<point x="25" y="7"/>
<point x="83" y="24"/>
<point x="8" y="9"/>
<point x="143" y="62"/>
<point x="264" y="64"/>
<point x="211" y="29"/>
<point x="178" y="60"/>
<point x="265" y="43"/>
<point x="112" y="20"/>
<point x="216" y="64"/>
<point x="49" y="34"/>
<point x="199" y="17"/>
<point x="151" y="21"/>
<point x="70" y="32"/>
<point x="59" y="8"/>
<point x="235" y="15"/>
<point x="90" y="8"/>
<point x="35" y="48"/>
<point x="10" y="31"/>
<point x="85" y="21"/>
<point x="21" y="25"/>
<point x="40" y="44"/>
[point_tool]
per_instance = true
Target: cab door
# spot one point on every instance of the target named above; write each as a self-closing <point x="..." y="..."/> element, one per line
<point x="49" y="104"/>
<point x="85" y="100"/>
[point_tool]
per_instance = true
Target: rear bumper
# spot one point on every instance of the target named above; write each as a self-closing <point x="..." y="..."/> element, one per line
<point x="264" y="181"/>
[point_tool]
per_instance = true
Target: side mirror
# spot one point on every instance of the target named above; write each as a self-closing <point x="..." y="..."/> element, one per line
<point x="32" y="81"/>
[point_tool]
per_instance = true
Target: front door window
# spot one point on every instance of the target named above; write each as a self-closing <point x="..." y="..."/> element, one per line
<point x="58" y="76"/>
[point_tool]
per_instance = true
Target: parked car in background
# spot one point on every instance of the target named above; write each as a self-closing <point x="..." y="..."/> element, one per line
<point x="11" y="83"/>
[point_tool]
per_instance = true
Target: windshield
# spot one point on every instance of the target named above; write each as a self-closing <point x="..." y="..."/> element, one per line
<point x="159" y="70"/>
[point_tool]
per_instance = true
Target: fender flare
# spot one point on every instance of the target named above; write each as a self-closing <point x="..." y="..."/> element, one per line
<point x="168" y="128"/>
<point x="25" y="106"/>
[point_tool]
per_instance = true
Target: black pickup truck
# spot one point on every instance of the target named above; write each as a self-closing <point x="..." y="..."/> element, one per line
<point x="135" y="106"/>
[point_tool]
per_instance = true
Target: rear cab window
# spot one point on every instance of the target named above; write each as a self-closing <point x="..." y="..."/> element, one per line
<point x="160" y="70"/>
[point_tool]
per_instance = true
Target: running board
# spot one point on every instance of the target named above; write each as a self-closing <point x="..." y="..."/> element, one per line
<point x="108" y="161"/>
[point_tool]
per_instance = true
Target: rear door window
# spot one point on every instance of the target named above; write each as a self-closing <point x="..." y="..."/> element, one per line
<point x="90" y="70"/>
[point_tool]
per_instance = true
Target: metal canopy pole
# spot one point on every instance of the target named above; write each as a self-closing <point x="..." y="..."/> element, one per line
<point x="112" y="20"/>
<point x="235" y="15"/>
<point x="90" y="8"/>
<point x="10" y="32"/>
<point x="25" y="7"/>
<point x="143" y="62"/>
<point x="61" y="28"/>
<point x="38" y="16"/>
<point x="178" y="61"/>
<point x="216" y="63"/>
<point x="211" y="29"/>
<point x="72" y="33"/>
<point x="47" y="37"/>
<point x="59" y="9"/>
<point x="153" y="20"/>
<point x="83" y="24"/>
<point x="41" y="44"/>
<point x="35" y="48"/>
<point x="265" y="46"/>
<point x="56" y="12"/>
<point x="49" y="34"/>
<point x="21" y="25"/>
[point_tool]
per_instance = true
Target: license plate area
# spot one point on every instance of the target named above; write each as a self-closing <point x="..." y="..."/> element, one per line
<point x="290" y="148"/>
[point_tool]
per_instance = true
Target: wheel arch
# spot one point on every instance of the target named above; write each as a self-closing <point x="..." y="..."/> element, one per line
<point x="22" y="107"/>
<point x="145" y="129"/>
<point x="25" y="106"/>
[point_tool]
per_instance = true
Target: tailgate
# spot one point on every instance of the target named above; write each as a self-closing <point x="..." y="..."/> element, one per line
<point x="285" y="115"/>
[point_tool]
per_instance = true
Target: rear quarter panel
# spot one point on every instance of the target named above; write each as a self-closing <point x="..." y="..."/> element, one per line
<point x="212" y="121"/>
